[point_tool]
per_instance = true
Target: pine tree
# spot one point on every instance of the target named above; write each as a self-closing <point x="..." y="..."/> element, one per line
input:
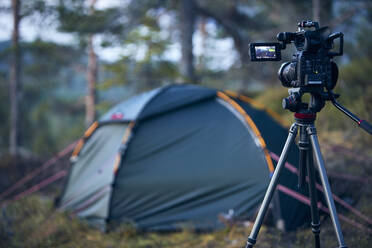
<point x="15" y="68"/>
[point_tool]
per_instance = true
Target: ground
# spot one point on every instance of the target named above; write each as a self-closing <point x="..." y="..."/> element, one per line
<point x="33" y="222"/>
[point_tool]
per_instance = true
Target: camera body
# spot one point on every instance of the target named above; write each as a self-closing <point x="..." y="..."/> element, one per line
<point x="312" y="64"/>
<point x="308" y="70"/>
<point x="312" y="68"/>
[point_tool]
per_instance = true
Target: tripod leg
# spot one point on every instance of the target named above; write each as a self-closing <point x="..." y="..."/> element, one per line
<point x="272" y="186"/>
<point x="315" y="223"/>
<point x="327" y="189"/>
<point x="303" y="145"/>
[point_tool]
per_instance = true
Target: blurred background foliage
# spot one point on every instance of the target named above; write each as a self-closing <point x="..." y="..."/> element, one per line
<point x="109" y="50"/>
<point x="153" y="43"/>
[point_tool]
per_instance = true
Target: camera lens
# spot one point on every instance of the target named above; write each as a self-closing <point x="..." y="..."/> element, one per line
<point x="287" y="73"/>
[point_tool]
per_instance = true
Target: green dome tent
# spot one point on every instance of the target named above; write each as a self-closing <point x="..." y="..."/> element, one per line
<point x="179" y="155"/>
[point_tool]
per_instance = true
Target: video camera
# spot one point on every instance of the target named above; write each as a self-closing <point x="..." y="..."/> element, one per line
<point x="311" y="69"/>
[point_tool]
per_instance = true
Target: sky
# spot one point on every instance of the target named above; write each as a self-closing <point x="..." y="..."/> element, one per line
<point x="29" y="31"/>
<point x="221" y="51"/>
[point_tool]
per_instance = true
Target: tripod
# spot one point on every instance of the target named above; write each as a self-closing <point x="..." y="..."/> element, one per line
<point x="309" y="146"/>
<point x="311" y="71"/>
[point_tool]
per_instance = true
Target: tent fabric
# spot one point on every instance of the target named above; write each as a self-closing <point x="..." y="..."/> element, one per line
<point x="172" y="98"/>
<point x="253" y="128"/>
<point x="131" y="108"/>
<point x="199" y="175"/>
<point x="89" y="184"/>
<point x="188" y="156"/>
<point x="274" y="136"/>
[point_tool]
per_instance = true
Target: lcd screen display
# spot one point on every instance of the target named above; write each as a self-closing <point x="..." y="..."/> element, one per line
<point x="265" y="52"/>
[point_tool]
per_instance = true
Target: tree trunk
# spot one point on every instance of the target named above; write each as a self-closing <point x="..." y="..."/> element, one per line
<point x="186" y="24"/>
<point x="240" y="42"/>
<point x="322" y="12"/>
<point x="92" y="75"/>
<point x="204" y="37"/>
<point x="316" y="10"/>
<point x="15" y="68"/>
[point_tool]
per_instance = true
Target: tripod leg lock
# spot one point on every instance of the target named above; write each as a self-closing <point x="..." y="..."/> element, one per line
<point x="315" y="228"/>
<point x="293" y="129"/>
<point x="311" y="130"/>
<point x="250" y="243"/>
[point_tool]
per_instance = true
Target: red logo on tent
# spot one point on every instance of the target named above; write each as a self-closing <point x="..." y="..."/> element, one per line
<point x="117" y="116"/>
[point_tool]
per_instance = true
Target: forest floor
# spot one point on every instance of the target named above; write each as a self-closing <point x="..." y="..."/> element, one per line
<point x="33" y="221"/>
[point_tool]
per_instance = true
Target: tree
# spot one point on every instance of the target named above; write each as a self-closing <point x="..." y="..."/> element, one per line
<point x="183" y="15"/>
<point x="51" y="77"/>
<point x="322" y="11"/>
<point x="92" y="74"/>
<point x="235" y="22"/>
<point x="187" y="16"/>
<point x="86" y="23"/>
<point x="144" y="66"/>
<point x="19" y="10"/>
<point x="15" y="68"/>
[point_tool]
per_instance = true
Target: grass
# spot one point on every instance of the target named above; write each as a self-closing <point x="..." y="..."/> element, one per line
<point x="33" y="222"/>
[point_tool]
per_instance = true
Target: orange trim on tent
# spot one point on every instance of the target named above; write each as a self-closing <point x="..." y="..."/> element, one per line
<point x="91" y="129"/>
<point x="81" y="142"/>
<point x="77" y="148"/>
<point x="124" y="140"/>
<point x="252" y="125"/>
<point x="232" y="93"/>
<point x="258" y="105"/>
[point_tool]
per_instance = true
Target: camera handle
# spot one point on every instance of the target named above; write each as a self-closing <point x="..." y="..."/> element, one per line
<point x="362" y="123"/>
<point x="330" y="40"/>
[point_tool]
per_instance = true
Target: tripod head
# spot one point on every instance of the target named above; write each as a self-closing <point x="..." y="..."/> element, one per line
<point x="318" y="99"/>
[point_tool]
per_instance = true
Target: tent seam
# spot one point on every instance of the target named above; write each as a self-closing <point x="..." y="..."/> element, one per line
<point x="151" y="99"/>
<point x="124" y="142"/>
